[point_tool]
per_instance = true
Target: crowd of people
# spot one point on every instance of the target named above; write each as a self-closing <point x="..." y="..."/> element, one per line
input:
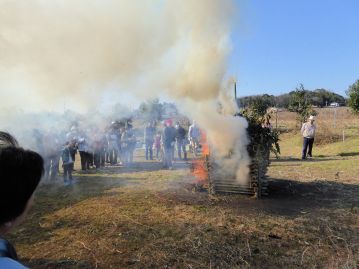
<point x="116" y="144"/>
<point x="95" y="148"/>
<point x="169" y="140"/>
<point x="113" y="146"/>
<point x="21" y="170"/>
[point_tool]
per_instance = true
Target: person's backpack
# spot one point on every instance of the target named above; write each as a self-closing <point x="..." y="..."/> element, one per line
<point x="7" y="250"/>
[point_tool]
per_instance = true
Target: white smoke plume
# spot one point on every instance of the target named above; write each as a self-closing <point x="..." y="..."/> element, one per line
<point x="80" y="52"/>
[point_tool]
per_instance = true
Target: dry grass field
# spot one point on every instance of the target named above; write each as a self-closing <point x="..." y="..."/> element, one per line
<point x="332" y="123"/>
<point x="146" y="217"/>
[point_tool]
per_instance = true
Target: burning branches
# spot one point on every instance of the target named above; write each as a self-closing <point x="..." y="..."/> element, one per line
<point x="262" y="141"/>
<point x="200" y="166"/>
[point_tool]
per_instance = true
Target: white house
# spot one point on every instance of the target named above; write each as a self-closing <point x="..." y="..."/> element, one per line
<point x="334" y="104"/>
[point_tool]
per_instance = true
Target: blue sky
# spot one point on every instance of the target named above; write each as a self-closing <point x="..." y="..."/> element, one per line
<point x="278" y="44"/>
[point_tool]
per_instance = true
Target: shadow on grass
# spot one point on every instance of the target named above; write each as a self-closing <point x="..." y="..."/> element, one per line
<point x="321" y="158"/>
<point x="137" y="167"/>
<point x="51" y="198"/>
<point x="348" y="154"/>
<point x="292" y="198"/>
<point x="286" y="198"/>
<point x="57" y="264"/>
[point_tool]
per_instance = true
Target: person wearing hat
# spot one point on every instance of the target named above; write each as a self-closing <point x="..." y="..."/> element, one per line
<point x="308" y="133"/>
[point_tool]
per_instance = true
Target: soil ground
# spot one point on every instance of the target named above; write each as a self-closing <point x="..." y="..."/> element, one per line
<point x="146" y="217"/>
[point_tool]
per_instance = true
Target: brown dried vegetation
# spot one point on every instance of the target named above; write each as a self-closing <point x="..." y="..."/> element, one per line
<point x="145" y="217"/>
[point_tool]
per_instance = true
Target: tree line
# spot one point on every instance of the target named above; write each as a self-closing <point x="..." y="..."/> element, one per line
<point x="318" y="97"/>
<point x="301" y="101"/>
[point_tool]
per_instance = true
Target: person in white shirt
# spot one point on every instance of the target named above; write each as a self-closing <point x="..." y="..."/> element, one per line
<point x="308" y="133"/>
<point x="194" y="135"/>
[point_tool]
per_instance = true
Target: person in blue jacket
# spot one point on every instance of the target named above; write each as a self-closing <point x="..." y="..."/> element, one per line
<point x="67" y="162"/>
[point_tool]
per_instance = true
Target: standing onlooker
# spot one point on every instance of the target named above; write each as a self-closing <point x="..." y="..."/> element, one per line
<point x="127" y="145"/>
<point x="67" y="162"/>
<point x="90" y="151"/>
<point x="73" y="134"/>
<point x="194" y="135"/>
<point x="181" y="141"/>
<point x="124" y="145"/>
<point x="308" y="132"/>
<point x="121" y="148"/>
<point x="168" y="140"/>
<point x="73" y="151"/>
<point x="113" y="146"/>
<point x="104" y="144"/>
<point x="51" y="155"/>
<point x="83" y="149"/>
<point x="149" y="138"/>
<point x="73" y="137"/>
<point x="99" y="149"/>
<point x="107" y="151"/>
<point x="131" y="142"/>
<point x="158" y="145"/>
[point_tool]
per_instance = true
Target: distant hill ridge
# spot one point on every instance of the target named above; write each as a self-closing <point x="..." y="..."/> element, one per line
<point x="318" y="97"/>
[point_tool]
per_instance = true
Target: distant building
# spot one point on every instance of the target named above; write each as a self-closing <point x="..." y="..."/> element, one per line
<point x="334" y="104"/>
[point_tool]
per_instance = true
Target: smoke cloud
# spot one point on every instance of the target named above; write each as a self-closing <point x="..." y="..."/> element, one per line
<point x="81" y="52"/>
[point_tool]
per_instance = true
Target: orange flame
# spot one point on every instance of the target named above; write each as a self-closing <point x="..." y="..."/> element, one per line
<point x="200" y="170"/>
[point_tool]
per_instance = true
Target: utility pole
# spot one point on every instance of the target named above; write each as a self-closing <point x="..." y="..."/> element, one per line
<point x="235" y="93"/>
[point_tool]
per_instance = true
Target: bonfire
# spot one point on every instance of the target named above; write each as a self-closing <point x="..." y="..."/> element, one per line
<point x="262" y="142"/>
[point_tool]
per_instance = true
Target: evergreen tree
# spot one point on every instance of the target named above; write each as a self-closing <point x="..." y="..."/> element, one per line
<point x="353" y="93"/>
<point x="300" y="104"/>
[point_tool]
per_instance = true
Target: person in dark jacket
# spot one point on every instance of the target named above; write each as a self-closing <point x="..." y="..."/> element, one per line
<point x="157" y="144"/>
<point x="51" y="155"/>
<point x="84" y="149"/>
<point x="181" y="141"/>
<point x="20" y="174"/>
<point x="99" y="149"/>
<point x="149" y="139"/>
<point x="113" y="140"/>
<point x="128" y="141"/>
<point x="67" y="162"/>
<point x="168" y="140"/>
